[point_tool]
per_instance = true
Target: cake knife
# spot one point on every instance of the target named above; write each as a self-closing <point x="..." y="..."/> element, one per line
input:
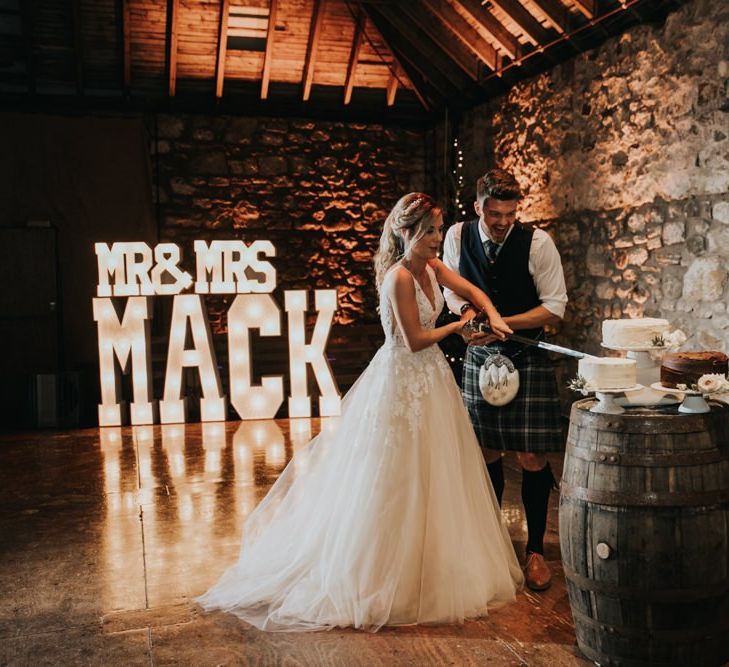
<point x="483" y="327"/>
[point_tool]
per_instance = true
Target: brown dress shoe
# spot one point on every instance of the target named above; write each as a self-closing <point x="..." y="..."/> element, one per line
<point x="538" y="576"/>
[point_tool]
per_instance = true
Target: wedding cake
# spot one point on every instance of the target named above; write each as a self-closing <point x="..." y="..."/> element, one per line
<point x="607" y="372"/>
<point x="687" y="367"/>
<point x="640" y="333"/>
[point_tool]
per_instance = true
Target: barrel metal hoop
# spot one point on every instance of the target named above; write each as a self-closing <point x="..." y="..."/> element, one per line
<point x="647" y="499"/>
<point x="655" y="596"/>
<point x="637" y="422"/>
<point x="674" y="636"/>
<point x="646" y="460"/>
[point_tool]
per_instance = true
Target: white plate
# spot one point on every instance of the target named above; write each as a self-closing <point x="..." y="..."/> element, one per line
<point x="672" y="390"/>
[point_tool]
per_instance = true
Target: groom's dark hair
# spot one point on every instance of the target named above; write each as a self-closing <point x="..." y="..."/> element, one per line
<point x="499" y="184"/>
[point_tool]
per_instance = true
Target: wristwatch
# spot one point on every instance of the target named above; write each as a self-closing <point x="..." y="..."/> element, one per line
<point x="466" y="306"/>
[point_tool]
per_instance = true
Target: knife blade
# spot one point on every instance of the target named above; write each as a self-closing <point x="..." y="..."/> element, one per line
<point x="485" y="328"/>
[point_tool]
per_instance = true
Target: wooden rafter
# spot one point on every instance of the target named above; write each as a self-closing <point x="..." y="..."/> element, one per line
<point x="78" y="51"/>
<point x="455" y="50"/>
<point x="526" y="22"/>
<point x="392" y="84"/>
<point x="26" y="13"/>
<point x="501" y="36"/>
<point x="312" y="46"/>
<point x="268" y="54"/>
<point x="463" y="30"/>
<point x="222" y="47"/>
<point x="426" y="55"/>
<point x="401" y="64"/>
<point x="172" y="16"/>
<point x="587" y="7"/>
<point x="557" y="14"/>
<point x="354" y="55"/>
<point x="126" y="46"/>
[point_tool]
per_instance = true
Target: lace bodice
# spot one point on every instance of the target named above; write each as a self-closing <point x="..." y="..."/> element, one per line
<point x="428" y="312"/>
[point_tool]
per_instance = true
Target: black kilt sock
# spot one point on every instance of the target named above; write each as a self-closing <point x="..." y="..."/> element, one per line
<point x="496" y="473"/>
<point x="535" y="488"/>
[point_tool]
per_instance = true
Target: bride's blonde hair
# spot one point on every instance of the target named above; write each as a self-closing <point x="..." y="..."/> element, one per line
<point x="413" y="212"/>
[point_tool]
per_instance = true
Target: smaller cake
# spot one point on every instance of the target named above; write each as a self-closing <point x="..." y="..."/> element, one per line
<point x="607" y="372"/>
<point x="687" y="367"/>
<point x="633" y="333"/>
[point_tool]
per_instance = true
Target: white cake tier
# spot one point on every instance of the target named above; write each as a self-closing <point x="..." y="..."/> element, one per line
<point x="608" y="372"/>
<point x="633" y="333"/>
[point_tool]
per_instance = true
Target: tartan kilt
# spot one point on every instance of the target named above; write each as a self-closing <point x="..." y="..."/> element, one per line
<point x="532" y="421"/>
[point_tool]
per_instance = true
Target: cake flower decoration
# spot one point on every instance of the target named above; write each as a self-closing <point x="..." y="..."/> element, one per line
<point x="581" y="385"/>
<point x="670" y="340"/>
<point x="712" y="383"/>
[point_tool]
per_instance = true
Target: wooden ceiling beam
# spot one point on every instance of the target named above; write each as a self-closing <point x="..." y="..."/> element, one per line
<point x="125" y="45"/>
<point x="419" y="85"/>
<point x="354" y="55"/>
<point x="268" y="54"/>
<point x="557" y="14"/>
<point x="436" y="31"/>
<point x="533" y="30"/>
<point x="431" y="61"/>
<point x="26" y="17"/>
<point x="312" y="46"/>
<point x="78" y="50"/>
<point x="588" y="8"/>
<point x="172" y="16"/>
<point x="222" y="48"/>
<point x="392" y="84"/>
<point x="463" y="30"/>
<point x="501" y="36"/>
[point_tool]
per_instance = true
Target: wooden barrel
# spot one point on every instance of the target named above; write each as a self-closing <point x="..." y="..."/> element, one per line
<point x="644" y="533"/>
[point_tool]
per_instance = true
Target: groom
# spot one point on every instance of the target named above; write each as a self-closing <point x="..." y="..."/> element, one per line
<point x="520" y="269"/>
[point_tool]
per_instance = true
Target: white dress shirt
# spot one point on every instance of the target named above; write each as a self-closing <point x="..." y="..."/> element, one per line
<point x="545" y="267"/>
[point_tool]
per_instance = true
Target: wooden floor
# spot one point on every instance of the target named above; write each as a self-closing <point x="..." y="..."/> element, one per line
<point x="107" y="535"/>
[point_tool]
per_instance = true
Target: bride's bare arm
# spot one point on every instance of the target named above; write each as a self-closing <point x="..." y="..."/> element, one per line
<point x="449" y="278"/>
<point x="405" y="306"/>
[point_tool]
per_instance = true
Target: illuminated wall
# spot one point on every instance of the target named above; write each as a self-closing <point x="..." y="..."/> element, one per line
<point x="623" y="155"/>
<point x="319" y="191"/>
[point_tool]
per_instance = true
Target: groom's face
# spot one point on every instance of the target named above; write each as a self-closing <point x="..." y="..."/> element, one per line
<point x="497" y="215"/>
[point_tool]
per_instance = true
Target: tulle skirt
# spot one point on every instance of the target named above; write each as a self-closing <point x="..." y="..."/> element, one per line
<point x="389" y="518"/>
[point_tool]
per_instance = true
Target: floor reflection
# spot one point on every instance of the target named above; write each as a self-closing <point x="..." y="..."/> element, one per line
<point x="191" y="487"/>
<point x="177" y="497"/>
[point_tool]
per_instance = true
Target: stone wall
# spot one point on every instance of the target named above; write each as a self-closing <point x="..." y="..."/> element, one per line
<point x="623" y="154"/>
<point x="318" y="190"/>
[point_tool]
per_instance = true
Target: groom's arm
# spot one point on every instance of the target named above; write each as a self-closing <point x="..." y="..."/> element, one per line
<point x="545" y="266"/>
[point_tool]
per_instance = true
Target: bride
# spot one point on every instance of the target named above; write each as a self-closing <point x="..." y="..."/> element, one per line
<point x="390" y="518"/>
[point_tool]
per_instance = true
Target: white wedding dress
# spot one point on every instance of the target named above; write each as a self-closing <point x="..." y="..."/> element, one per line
<point x="388" y="519"/>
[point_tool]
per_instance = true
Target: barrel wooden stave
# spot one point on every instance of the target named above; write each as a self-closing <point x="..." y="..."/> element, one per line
<point x="661" y="596"/>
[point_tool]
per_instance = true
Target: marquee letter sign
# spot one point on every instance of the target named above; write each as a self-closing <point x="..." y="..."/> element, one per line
<point x="136" y="271"/>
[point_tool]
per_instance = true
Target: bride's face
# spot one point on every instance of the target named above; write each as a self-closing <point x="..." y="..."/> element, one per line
<point x="431" y="236"/>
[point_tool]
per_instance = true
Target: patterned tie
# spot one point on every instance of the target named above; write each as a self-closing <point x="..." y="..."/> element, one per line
<point x="491" y="250"/>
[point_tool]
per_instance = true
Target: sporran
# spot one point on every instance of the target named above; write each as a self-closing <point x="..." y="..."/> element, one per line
<point x="498" y="380"/>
